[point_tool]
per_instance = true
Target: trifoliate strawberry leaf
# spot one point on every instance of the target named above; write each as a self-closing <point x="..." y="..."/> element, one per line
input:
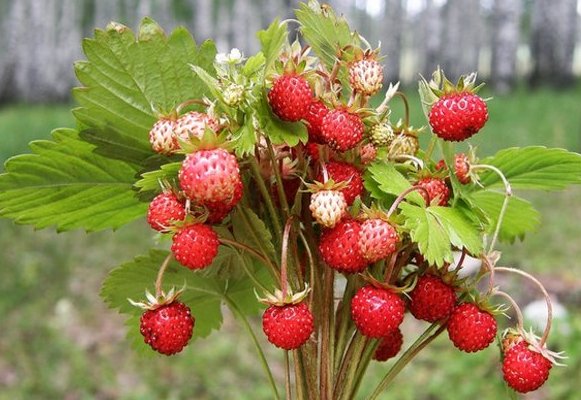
<point x="250" y="230"/>
<point x="65" y="184"/>
<point x="534" y="167"/>
<point x="126" y="79"/>
<point x="382" y="178"/>
<point x="150" y="181"/>
<point x="520" y="217"/>
<point x="205" y="291"/>
<point x="461" y="230"/>
<point x="272" y="41"/>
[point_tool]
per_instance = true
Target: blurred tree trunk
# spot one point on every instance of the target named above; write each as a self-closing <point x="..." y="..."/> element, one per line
<point x="106" y="11"/>
<point x="203" y="21"/>
<point x="554" y="25"/>
<point x="430" y="38"/>
<point x="505" y="40"/>
<point x="391" y="37"/>
<point x="461" y="37"/>
<point x="223" y="31"/>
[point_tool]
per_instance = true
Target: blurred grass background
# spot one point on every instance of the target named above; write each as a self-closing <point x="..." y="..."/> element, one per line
<point x="59" y="341"/>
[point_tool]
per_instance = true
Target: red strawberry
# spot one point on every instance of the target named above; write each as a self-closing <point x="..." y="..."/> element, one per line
<point x="209" y="176"/>
<point x="163" y="138"/>
<point x="376" y="311"/>
<point x="316" y="112"/>
<point x="377" y="239"/>
<point x="195" y="246"/>
<point x="312" y="150"/>
<point x="461" y="168"/>
<point x="289" y="326"/>
<point x="167" y="328"/>
<point x="164" y="209"/>
<point x="218" y="210"/>
<point x="344" y="172"/>
<point x="290" y="97"/>
<point x="457" y="116"/>
<point x="523" y="369"/>
<point x="339" y="247"/>
<point x="342" y="130"/>
<point x="432" y="299"/>
<point x="389" y="345"/>
<point x="470" y="328"/>
<point x="436" y="188"/>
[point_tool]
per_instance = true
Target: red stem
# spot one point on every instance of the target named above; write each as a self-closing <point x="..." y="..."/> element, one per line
<point x="283" y="261"/>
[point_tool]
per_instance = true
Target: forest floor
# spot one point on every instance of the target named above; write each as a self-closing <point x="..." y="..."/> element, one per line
<point x="59" y="340"/>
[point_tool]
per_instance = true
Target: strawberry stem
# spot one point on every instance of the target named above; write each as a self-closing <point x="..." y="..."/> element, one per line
<point x="277" y="228"/>
<point x="278" y="178"/>
<point x="255" y="253"/>
<point x="406" y="104"/>
<point x="402" y="196"/>
<point x="515" y="307"/>
<point x="159" y="280"/>
<point x="287" y="381"/>
<point x="284" y="258"/>
<point x="186" y="103"/>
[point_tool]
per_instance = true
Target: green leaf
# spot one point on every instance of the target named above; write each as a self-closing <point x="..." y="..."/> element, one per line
<point x="278" y="131"/>
<point x="534" y="167"/>
<point x="382" y="178"/>
<point x="520" y="217"/>
<point x="250" y="230"/>
<point x="272" y="41"/>
<point x="209" y="80"/>
<point x="150" y="180"/>
<point x="245" y="138"/>
<point x="435" y="229"/>
<point x="325" y="32"/>
<point x="66" y="184"/>
<point x="205" y="291"/>
<point x="124" y="79"/>
<point x="254" y="64"/>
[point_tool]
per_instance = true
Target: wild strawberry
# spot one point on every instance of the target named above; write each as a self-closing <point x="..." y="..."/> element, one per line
<point x="523" y="369"/>
<point x="193" y="124"/>
<point x="457" y="116"/>
<point x="288" y="326"/>
<point x="436" y="188"/>
<point x="470" y="328"/>
<point x="163" y="138"/>
<point x="164" y="209"/>
<point x="339" y="247"/>
<point x="376" y="311"/>
<point x="167" y="328"/>
<point x="290" y="97"/>
<point x="366" y="76"/>
<point x="344" y="172"/>
<point x="209" y="176"/>
<point x="461" y="167"/>
<point x="382" y="134"/>
<point x="432" y="299"/>
<point x="312" y="150"/>
<point x="377" y="239"/>
<point x="316" y="112"/>
<point x="389" y="345"/>
<point x="341" y="129"/>
<point x="367" y="153"/>
<point x="195" y="246"/>
<point x="328" y="207"/>
<point x="218" y="210"/>
<point x="404" y="144"/>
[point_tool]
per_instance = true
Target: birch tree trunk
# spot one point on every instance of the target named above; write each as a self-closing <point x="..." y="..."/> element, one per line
<point x="554" y="27"/>
<point x="203" y="21"/>
<point x="391" y="37"/>
<point x="429" y="38"/>
<point x="505" y="40"/>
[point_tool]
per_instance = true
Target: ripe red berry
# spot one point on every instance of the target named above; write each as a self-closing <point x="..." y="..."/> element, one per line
<point x="436" y="188"/>
<point x="523" y="369"/>
<point x="377" y="239"/>
<point x="376" y="311"/>
<point x="208" y="176"/>
<point x="163" y="210"/>
<point x="432" y="299"/>
<point x="345" y="172"/>
<point x="339" y="247"/>
<point x="342" y="130"/>
<point x="457" y="116"/>
<point x="218" y="210"/>
<point x="389" y="345"/>
<point x="195" y="246"/>
<point x="167" y="328"/>
<point x="288" y="327"/>
<point x="470" y="328"/>
<point x="316" y="112"/>
<point x="290" y="97"/>
<point x="461" y="168"/>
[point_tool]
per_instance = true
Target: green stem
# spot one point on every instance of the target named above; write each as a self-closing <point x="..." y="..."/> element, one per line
<point x="410" y="353"/>
<point x="278" y="178"/>
<point x="252" y="251"/>
<point x="327" y="335"/>
<point x="277" y="227"/>
<point x="368" y="352"/>
<point x="430" y="150"/>
<point x="344" y="320"/>
<point x="159" y="279"/>
<point x="257" y="345"/>
<point x="299" y="374"/>
<point x="287" y="381"/>
<point x="344" y="380"/>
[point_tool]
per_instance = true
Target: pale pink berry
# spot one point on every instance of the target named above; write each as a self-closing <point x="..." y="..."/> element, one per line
<point x="328" y="207"/>
<point x="366" y="76"/>
<point x="377" y="239"/>
<point x="193" y="124"/>
<point x="162" y="137"/>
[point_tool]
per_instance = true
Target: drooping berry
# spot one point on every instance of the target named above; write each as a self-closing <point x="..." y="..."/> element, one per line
<point x="163" y="210"/>
<point x="457" y="116"/>
<point x="209" y="176"/>
<point x="339" y="247"/>
<point x="376" y="311"/>
<point x="342" y="130"/>
<point x="289" y="326"/>
<point x="524" y="369"/>
<point x="167" y="328"/>
<point x="328" y="207"/>
<point x="195" y="246"/>
<point x="345" y="172"/>
<point x="163" y="138"/>
<point x="316" y="112"/>
<point x="366" y="76"/>
<point x="432" y="299"/>
<point x="389" y="345"/>
<point x="290" y="97"/>
<point x="461" y="168"/>
<point x="377" y="239"/>
<point x="193" y="124"/>
<point x="436" y="188"/>
<point x="470" y="328"/>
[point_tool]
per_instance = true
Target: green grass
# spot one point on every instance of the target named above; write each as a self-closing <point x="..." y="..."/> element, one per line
<point x="59" y="341"/>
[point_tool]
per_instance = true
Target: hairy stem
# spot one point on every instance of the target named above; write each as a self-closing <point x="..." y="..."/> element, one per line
<point x="277" y="228"/>
<point x="159" y="279"/>
<point x="278" y="178"/>
<point x="327" y="336"/>
<point x="346" y="377"/>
